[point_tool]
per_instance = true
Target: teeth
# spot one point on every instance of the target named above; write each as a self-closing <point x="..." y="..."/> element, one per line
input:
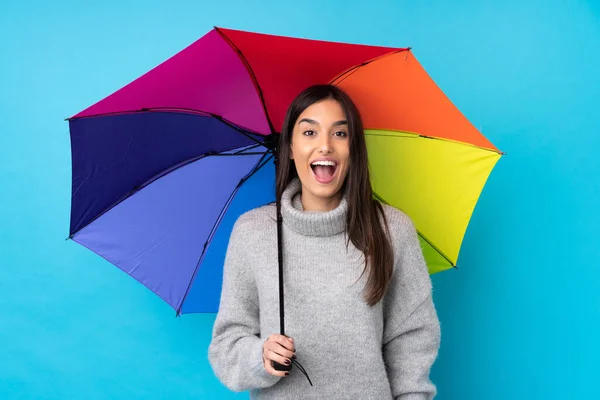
<point x="328" y="163"/>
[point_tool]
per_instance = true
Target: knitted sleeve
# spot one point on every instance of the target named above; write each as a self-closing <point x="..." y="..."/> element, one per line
<point x="235" y="352"/>
<point x="411" y="337"/>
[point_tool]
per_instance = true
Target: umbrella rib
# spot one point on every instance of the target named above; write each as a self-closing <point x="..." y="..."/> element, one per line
<point x="345" y="74"/>
<point x="415" y="135"/>
<point x="240" y="153"/>
<point x="261" y="163"/>
<point x="247" y="133"/>
<point x="161" y="174"/>
<point x="441" y="253"/>
<point x="252" y="147"/>
<point x="252" y="76"/>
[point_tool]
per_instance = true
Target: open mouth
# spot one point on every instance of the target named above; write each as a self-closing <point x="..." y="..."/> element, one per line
<point x="324" y="170"/>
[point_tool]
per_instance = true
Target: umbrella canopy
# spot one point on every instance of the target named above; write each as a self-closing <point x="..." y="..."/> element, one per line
<point x="163" y="167"/>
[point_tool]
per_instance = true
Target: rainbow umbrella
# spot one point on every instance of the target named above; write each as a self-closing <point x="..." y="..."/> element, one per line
<point x="162" y="168"/>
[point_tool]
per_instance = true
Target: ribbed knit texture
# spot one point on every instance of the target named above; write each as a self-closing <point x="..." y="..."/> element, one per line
<point x="349" y="350"/>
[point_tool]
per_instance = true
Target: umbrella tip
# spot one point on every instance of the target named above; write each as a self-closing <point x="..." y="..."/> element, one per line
<point x="178" y="312"/>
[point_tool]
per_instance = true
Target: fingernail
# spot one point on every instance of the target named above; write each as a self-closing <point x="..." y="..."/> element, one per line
<point x="287" y="373"/>
<point x="294" y="357"/>
<point x="287" y="362"/>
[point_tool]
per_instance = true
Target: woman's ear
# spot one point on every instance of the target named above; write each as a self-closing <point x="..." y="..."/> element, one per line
<point x="291" y="153"/>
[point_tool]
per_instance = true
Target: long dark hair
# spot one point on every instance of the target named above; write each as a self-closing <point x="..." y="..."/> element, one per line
<point x="366" y="224"/>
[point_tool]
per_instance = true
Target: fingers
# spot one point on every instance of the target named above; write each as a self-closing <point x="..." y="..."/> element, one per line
<point x="269" y="368"/>
<point x="277" y="356"/>
<point x="284" y="341"/>
<point x="280" y="349"/>
<point x="269" y="357"/>
<point x="274" y="351"/>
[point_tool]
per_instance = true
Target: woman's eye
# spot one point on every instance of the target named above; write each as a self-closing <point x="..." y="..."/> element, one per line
<point x="341" y="134"/>
<point x="309" y="133"/>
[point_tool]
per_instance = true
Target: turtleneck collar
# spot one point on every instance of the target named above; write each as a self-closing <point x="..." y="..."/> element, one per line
<point x="311" y="223"/>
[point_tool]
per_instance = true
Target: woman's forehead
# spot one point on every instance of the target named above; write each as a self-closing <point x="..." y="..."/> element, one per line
<point x="328" y="112"/>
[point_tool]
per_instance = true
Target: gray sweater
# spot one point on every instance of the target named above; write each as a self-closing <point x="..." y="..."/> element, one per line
<point x="349" y="350"/>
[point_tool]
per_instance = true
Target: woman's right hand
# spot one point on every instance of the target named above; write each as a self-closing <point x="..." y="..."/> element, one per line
<point x="280" y="349"/>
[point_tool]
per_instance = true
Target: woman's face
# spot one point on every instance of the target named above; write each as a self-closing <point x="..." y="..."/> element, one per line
<point x="320" y="148"/>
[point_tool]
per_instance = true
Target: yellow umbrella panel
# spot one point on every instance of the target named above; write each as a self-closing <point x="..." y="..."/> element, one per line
<point x="426" y="158"/>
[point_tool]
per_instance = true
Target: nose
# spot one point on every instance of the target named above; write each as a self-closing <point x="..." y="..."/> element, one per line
<point x="325" y="144"/>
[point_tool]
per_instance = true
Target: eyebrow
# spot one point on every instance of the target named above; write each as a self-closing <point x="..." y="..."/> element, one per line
<point x="313" y="122"/>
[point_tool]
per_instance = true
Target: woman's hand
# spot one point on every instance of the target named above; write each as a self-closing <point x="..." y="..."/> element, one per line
<point x="280" y="349"/>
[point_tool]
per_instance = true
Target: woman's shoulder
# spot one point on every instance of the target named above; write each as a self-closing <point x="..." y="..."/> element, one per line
<point x="257" y="219"/>
<point x="410" y="261"/>
<point x="399" y="223"/>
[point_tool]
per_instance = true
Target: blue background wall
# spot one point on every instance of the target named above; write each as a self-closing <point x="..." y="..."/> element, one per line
<point x="520" y="318"/>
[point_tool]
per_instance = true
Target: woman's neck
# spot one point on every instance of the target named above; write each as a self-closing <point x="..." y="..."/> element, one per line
<point x="311" y="223"/>
<point x="314" y="203"/>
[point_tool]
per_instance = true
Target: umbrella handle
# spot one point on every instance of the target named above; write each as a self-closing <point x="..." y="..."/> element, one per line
<point x="281" y="367"/>
<point x="277" y="366"/>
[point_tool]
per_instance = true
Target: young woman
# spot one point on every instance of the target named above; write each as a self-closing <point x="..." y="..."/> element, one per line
<point x="358" y="296"/>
